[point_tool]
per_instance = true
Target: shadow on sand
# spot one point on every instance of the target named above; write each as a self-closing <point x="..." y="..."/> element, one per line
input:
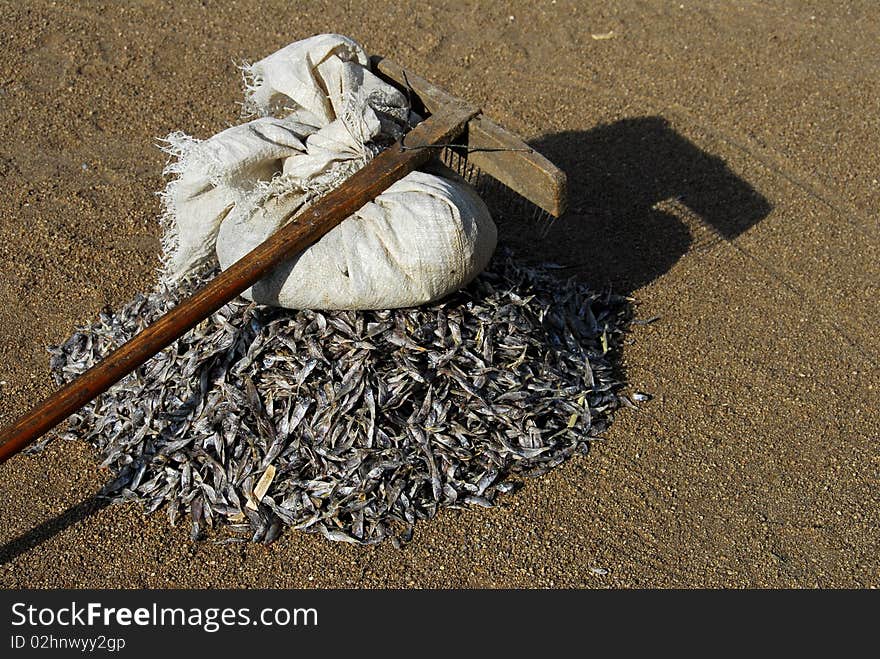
<point x="619" y="175"/>
<point x="39" y="534"/>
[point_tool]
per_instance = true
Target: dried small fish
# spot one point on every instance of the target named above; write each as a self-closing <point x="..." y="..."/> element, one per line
<point x="355" y="425"/>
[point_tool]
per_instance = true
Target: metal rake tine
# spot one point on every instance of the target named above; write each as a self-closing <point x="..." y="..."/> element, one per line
<point x="549" y="223"/>
<point x="446" y="156"/>
<point x="458" y="158"/>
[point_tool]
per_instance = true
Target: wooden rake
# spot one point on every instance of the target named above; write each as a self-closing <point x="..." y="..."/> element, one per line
<point x="477" y="148"/>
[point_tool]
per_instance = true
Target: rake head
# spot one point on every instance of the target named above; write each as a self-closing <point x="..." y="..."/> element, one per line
<point x="512" y="176"/>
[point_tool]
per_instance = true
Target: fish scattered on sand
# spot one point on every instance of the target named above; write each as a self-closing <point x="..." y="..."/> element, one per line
<point x="354" y="425"/>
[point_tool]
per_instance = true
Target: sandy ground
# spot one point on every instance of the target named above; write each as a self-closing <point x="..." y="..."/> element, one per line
<point x="724" y="170"/>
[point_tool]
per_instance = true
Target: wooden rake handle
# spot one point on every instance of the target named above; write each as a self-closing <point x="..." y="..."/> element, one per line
<point x="362" y="187"/>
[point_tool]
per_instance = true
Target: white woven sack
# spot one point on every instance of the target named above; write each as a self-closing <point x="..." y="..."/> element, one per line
<point x="324" y="115"/>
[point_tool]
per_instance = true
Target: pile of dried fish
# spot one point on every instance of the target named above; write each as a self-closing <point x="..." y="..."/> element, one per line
<point x="353" y="424"/>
